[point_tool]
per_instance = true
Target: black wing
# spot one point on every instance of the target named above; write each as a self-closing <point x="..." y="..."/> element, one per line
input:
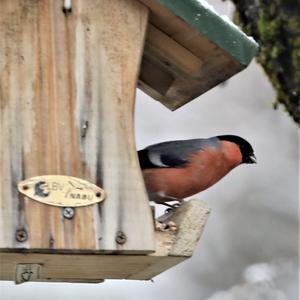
<point x="172" y="154"/>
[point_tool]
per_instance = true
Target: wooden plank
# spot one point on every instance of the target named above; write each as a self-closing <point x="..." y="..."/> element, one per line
<point x="179" y="30"/>
<point x="222" y="50"/>
<point x="64" y="267"/>
<point x="172" y="53"/>
<point x="67" y="98"/>
<point x="172" y="247"/>
<point x="171" y="82"/>
<point x="189" y="220"/>
<point x="176" y="15"/>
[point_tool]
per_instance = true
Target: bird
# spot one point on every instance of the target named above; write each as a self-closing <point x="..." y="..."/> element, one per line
<point x="175" y="170"/>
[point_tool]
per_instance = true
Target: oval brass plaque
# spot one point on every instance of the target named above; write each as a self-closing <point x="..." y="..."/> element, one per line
<point x="59" y="190"/>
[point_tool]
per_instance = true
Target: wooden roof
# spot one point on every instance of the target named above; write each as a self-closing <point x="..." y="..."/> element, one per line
<point x="189" y="50"/>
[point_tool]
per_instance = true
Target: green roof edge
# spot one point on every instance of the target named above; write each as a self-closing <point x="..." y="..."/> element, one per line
<point x="214" y="27"/>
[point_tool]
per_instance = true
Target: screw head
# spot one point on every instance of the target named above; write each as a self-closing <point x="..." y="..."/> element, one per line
<point x="21" y="235"/>
<point x="121" y="237"/>
<point x="68" y="212"/>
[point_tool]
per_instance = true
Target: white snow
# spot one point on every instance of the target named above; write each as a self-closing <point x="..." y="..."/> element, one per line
<point x="229" y="22"/>
<point x="207" y="5"/>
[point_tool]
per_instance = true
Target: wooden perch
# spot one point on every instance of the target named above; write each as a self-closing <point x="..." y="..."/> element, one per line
<point x="172" y="247"/>
<point x="190" y="219"/>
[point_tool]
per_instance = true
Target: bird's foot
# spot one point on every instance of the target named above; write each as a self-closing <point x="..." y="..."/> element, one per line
<point x="162" y="226"/>
<point x="162" y="198"/>
<point x="172" y="207"/>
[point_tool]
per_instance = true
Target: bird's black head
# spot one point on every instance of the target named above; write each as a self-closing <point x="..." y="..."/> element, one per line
<point x="247" y="151"/>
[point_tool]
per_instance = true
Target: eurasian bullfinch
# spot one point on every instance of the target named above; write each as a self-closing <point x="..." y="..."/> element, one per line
<point x="178" y="169"/>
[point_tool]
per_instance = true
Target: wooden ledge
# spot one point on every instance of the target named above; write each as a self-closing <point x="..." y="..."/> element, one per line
<point x="172" y="247"/>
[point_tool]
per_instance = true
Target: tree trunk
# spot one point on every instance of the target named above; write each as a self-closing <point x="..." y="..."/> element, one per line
<point x="276" y="27"/>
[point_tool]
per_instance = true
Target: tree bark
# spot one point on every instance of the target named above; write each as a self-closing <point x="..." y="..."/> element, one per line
<point x="275" y="24"/>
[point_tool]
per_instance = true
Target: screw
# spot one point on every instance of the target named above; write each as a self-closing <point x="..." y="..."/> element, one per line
<point x="21" y="235"/>
<point x="67" y="8"/>
<point x="84" y="128"/>
<point x="51" y="242"/>
<point x="121" y="237"/>
<point x="68" y="213"/>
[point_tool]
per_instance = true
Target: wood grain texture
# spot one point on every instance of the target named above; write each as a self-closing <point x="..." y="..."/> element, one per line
<point x="173" y="53"/>
<point x="190" y="219"/>
<point x="67" y="89"/>
<point x="171" y="248"/>
<point x="88" y="268"/>
<point x="195" y="65"/>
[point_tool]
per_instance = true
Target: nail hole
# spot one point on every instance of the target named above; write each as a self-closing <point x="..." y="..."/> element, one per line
<point x="25" y="187"/>
<point x="98" y="194"/>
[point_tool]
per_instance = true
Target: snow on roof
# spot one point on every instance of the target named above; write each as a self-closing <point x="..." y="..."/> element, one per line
<point x="207" y="5"/>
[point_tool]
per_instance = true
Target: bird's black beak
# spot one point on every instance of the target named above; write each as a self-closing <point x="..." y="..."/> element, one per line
<point x="253" y="159"/>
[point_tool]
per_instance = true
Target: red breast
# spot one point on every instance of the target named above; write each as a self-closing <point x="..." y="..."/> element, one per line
<point x="204" y="169"/>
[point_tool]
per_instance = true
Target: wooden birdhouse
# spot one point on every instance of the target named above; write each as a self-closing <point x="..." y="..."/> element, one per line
<point x="73" y="205"/>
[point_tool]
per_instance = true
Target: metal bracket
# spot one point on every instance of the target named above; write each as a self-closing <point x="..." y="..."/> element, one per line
<point x="27" y="272"/>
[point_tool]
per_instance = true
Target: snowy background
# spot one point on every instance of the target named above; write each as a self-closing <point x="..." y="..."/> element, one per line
<point x="249" y="249"/>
